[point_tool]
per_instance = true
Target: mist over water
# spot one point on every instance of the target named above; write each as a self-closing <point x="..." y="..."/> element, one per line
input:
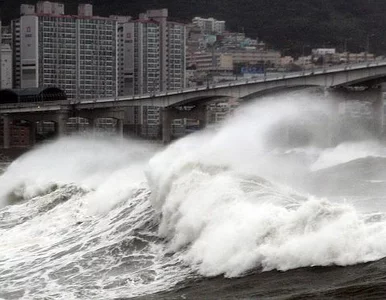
<point x="91" y="217"/>
<point x="98" y="165"/>
<point x="237" y="199"/>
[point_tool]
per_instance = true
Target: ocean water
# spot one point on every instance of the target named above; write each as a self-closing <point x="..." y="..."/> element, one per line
<point x="248" y="211"/>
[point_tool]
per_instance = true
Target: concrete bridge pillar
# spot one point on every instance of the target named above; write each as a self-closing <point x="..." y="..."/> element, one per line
<point x="61" y="124"/>
<point x="333" y="125"/>
<point x="202" y="116"/>
<point x="120" y="127"/>
<point x="93" y="125"/>
<point x="32" y="134"/>
<point x="379" y="107"/>
<point x="7" y="132"/>
<point x="166" y="114"/>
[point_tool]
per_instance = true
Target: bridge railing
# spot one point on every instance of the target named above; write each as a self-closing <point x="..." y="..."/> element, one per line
<point x="36" y="104"/>
<point x="267" y="77"/>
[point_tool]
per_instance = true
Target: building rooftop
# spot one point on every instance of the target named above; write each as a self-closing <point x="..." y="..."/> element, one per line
<point x="32" y="95"/>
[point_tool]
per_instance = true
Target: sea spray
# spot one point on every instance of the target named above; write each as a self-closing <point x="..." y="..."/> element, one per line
<point x="91" y="236"/>
<point x="348" y="151"/>
<point x="101" y="165"/>
<point x="220" y="227"/>
<point x="89" y="224"/>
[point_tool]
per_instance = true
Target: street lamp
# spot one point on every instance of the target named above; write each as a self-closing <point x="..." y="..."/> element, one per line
<point x="368" y="45"/>
<point x="303" y="57"/>
<point x="346" y="50"/>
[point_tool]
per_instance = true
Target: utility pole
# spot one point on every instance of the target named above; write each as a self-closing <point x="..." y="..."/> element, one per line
<point x="303" y="57"/>
<point x="346" y="51"/>
<point x="367" y="46"/>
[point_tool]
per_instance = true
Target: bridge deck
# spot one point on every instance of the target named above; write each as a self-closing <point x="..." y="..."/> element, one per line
<point x="239" y="89"/>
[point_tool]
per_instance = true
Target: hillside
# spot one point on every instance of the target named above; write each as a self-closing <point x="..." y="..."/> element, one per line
<point x="288" y="25"/>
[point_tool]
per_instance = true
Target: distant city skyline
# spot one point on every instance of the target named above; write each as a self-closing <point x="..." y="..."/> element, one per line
<point x="133" y="73"/>
<point x="301" y="23"/>
<point x="91" y="46"/>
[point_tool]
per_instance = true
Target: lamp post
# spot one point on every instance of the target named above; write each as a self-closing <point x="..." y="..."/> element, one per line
<point x="303" y="57"/>
<point x="346" y="50"/>
<point x="368" y="45"/>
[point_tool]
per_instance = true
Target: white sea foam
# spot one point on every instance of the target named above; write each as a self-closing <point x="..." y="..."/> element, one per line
<point x="226" y="202"/>
<point x="218" y="208"/>
<point x="347" y="152"/>
<point x="89" y="237"/>
<point x="104" y="166"/>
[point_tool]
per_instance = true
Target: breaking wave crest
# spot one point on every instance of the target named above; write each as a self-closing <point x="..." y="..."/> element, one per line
<point x="95" y="218"/>
<point x="81" y="225"/>
<point x="228" y="223"/>
<point x="232" y="203"/>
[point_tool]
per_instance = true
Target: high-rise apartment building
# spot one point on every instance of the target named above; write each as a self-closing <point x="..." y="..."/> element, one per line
<point x="75" y="53"/>
<point x="15" y="30"/>
<point x="1" y="68"/>
<point x="125" y="74"/>
<point x="139" y="62"/>
<point x="152" y="58"/>
<point x="5" y="57"/>
<point x="175" y="56"/>
<point x="6" y="66"/>
<point x="151" y="53"/>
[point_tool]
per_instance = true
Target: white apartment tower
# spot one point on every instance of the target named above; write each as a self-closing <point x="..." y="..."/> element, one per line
<point x="125" y="72"/>
<point x="151" y="53"/>
<point x="5" y="58"/>
<point x="1" y="67"/>
<point x="175" y="56"/>
<point x="15" y="29"/>
<point x="160" y="16"/>
<point x="140" y="58"/>
<point x="6" y="67"/>
<point x="75" y="53"/>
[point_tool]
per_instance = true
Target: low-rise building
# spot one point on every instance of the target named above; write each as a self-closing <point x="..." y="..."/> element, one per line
<point x="209" y="25"/>
<point x="286" y="60"/>
<point x="210" y="62"/>
<point x="357" y="57"/>
<point x="331" y="57"/>
<point x="268" y="58"/>
<point x="323" y="51"/>
<point x="220" y="111"/>
<point x="194" y="38"/>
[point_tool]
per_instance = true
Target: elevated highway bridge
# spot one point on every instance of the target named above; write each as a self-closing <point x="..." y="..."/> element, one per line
<point x="363" y="74"/>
